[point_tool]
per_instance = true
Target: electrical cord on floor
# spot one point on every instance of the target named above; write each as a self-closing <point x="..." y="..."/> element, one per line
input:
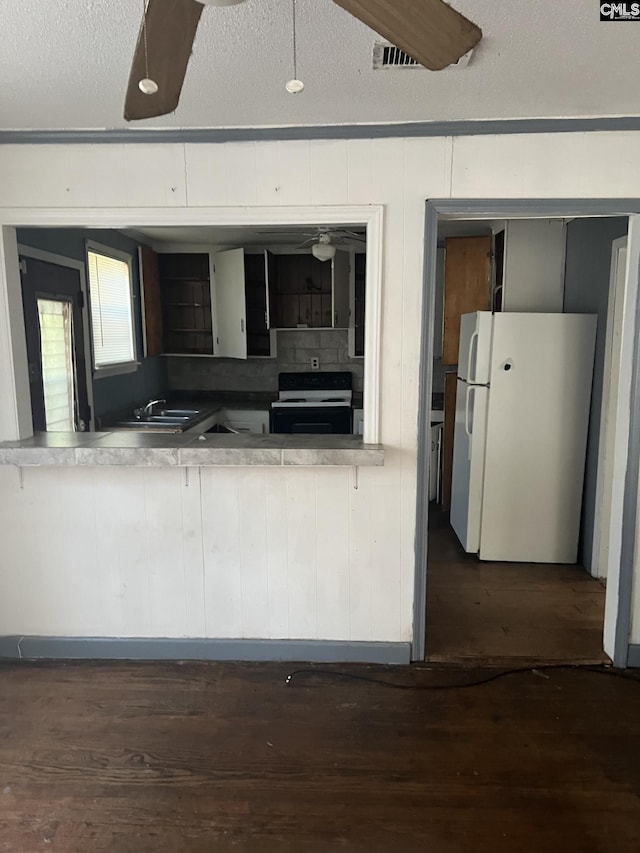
<point x="536" y="670"/>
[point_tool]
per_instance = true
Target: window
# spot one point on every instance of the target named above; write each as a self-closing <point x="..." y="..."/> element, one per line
<point x="111" y="312"/>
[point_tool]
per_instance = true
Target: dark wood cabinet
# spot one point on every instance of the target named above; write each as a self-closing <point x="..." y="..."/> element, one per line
<point x="360" y="263"/>
<point x="151" y="301"/>
<point x="302" y="293"/>
<point x="185" y="287"/>
<point x="257" y="313"/>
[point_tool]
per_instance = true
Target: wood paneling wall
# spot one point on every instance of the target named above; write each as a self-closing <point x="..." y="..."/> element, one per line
<point x="259" y="552"/>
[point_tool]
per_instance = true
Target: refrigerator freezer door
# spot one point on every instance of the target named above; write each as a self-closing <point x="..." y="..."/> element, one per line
<point x="474" y="354"/>
<point x="468" y="464"/>
<point x="537" y="427"/>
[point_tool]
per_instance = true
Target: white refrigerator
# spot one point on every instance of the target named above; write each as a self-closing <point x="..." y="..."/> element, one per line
<point x="522" y="417"/>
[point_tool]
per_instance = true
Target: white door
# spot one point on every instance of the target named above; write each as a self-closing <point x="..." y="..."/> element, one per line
<point x="613" y="340"/>
<point x="230" y="304"/>
<point x="474" y="353"/>
<point x="468" y="463"/>
<point x="537" y="423"/>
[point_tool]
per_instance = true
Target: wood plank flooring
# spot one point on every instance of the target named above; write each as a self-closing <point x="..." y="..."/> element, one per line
<point x="194" y="758"/>
<point x="496" y="612"/>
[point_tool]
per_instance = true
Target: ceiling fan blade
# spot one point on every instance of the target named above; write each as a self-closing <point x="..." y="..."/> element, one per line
<point x="349" y="235"/>
<point x="171" y="28"/>
<point x="430" y="31"/>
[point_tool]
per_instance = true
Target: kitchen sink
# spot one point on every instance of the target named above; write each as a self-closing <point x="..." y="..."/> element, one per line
<point x="168" y="419"/>
<point x="162" y="424"/>
<point x="178" y="413"/>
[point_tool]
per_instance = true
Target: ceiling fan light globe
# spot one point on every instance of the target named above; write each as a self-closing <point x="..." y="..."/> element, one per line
<point x="148" y="86"/>
<point x="294" y="86"/>
<point x="323" y="251"/>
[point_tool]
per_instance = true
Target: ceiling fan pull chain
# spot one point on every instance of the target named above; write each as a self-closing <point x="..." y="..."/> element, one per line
<point x="294" y="86"/>
<point x="147" y="86"/>
<point x="295" y="55"/>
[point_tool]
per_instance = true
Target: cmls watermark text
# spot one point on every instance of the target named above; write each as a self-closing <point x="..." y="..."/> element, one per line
<point x="620" y="11"/>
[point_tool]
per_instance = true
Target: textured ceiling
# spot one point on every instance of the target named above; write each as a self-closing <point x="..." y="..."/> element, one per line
<point x="65" y="64"/>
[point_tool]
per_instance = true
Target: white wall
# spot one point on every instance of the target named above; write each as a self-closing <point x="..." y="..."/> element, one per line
<point x="260" y="553"/>
<point x="534" y="265"/>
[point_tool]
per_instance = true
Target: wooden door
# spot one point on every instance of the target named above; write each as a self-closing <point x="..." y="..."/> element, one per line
<point x="467" y="287"/>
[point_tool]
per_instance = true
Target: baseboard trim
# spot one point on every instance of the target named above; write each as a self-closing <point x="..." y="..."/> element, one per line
<point x="633" y="658"/>
<point x="136" y="648"/>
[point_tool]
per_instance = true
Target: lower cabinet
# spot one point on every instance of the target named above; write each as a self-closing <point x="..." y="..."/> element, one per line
<point x="245" y="421"/>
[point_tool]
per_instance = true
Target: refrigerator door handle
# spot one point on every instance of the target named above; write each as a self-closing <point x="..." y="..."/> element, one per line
<point x="470" y="388"/>
<point x="473" y="339"/>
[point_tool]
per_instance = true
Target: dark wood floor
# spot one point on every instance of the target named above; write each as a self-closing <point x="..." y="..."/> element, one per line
<point x="495" y="612"/>
<point x="194" y="758"/>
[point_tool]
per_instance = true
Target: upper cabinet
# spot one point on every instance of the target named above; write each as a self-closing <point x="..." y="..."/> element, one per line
<point x="307" y="293"/>
<point x="357" y="295"/>
<point x="257" y="304"/>
<point x="185" y="294"/>
<point x="211" y="303"/>
<point x="230" y="310"/>
<point x="228" y="303"/>
<point x="152" y="324"/>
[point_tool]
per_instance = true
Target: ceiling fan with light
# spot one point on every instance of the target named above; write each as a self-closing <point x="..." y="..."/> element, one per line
<point x="323" y="240"/>
<point x="429" y="31"/>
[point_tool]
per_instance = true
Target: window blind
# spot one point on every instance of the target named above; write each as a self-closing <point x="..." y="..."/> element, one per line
<point x="111" y="318"/>
<point x="58" y="378"/>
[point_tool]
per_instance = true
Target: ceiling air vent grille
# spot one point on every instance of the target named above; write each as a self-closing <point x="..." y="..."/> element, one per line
<point x="387" y="55"/>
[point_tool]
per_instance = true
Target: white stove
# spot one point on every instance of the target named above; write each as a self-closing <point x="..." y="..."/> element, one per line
<point x="317" y="399"/>
<point x="313" y="403"/>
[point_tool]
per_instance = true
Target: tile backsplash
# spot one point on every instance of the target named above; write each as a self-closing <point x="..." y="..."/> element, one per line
<point x="295" y="350"/>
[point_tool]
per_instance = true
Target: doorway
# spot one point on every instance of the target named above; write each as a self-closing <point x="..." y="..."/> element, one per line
<point x="53" y="303"/>
<point x="503" y="611"/>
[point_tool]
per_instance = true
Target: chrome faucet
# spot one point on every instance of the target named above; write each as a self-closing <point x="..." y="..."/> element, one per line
<point x="147" y="410"/>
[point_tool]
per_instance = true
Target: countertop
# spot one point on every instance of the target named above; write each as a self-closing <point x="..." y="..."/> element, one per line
<point x="130" y="447"/>
<point x="214" y="401"/>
